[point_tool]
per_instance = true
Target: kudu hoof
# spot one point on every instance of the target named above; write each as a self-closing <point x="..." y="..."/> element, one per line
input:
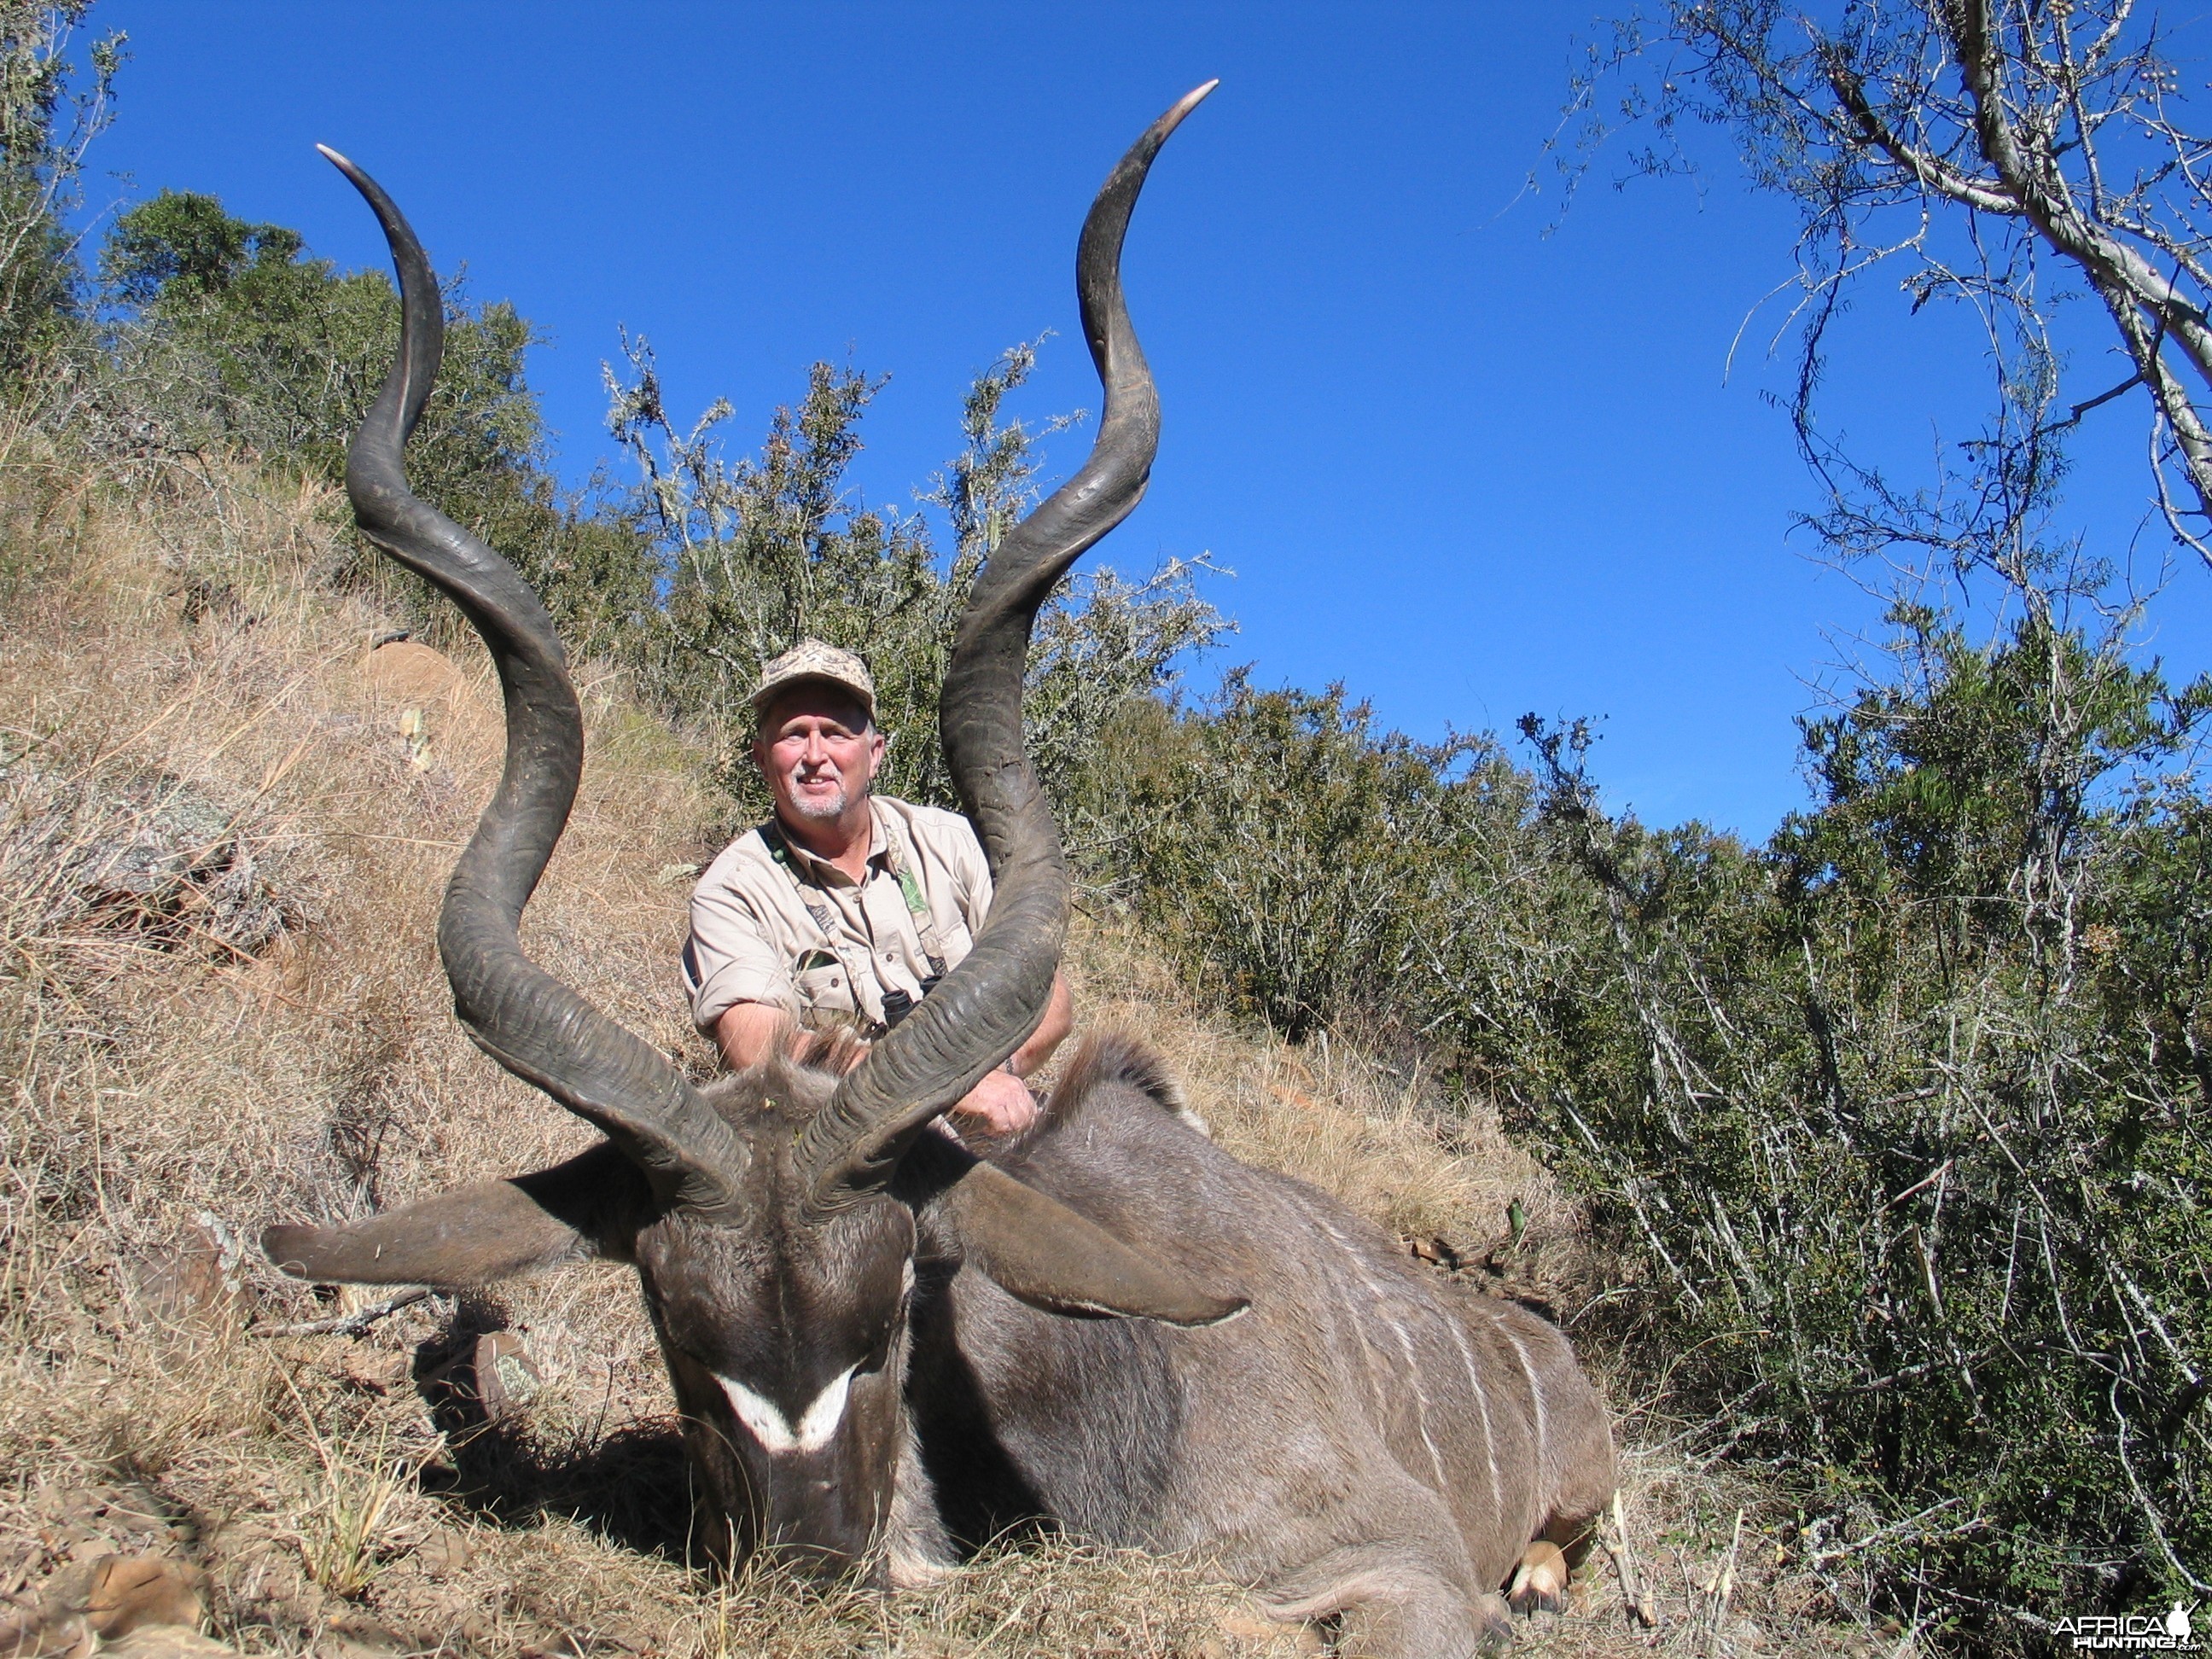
<point x="1541" y="1580"/>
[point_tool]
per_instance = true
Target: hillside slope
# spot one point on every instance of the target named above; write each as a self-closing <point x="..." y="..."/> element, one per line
<point x="225" y="819"/>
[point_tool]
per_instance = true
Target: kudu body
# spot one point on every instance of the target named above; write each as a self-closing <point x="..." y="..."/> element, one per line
<point x="883" y="1348"/>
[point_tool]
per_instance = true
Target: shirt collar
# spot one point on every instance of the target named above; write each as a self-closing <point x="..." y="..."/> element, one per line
<point x="880" y="851"/>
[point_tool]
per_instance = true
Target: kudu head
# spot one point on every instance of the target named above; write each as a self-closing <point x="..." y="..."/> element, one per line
<point x="774" y="1218"/>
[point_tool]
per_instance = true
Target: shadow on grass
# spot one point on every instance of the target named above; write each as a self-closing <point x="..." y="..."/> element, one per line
<point x="633" y="1487"/>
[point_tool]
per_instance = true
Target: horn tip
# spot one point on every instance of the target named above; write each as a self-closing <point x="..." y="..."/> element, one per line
<point x="1189" y="101"/>
<point x="343" y="164"/>
<point x="1182" y="106"/>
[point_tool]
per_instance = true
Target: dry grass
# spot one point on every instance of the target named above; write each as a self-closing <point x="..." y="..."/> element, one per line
<point x="183" y="698"/>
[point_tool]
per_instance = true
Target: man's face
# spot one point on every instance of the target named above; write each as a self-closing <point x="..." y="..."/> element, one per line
<point x="818" y="752"/>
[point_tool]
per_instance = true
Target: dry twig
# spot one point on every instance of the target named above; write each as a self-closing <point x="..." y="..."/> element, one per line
<point x="1633" y="1591"/>
<point x="352" y="1324"/>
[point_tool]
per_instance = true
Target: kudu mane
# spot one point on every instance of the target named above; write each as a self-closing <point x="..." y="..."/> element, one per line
<point x="1106" y="1058"/>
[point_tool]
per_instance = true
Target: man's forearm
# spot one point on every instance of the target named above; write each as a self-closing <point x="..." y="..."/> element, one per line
<point x="1051" y="1031"/>
<point x="746" y="1031"/>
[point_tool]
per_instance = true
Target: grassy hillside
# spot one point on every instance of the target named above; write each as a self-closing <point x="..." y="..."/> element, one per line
<point x="224" y="822"/>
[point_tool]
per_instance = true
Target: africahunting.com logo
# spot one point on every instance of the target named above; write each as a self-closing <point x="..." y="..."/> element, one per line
<point x="2130" y="1632"/>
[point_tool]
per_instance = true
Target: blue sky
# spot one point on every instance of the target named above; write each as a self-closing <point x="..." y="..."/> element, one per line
<point x="1465" y="467"/>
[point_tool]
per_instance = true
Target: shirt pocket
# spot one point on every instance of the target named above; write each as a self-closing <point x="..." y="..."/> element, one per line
<point x="957" y="941"/>
<point x="823" y="984"/>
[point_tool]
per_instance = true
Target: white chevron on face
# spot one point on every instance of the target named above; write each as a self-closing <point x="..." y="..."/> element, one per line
<point x="774" y="1432"/>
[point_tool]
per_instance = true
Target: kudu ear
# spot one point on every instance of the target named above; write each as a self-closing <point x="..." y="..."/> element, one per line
<point x="590" y="1206"/>
<point x="1040" y="1251"/>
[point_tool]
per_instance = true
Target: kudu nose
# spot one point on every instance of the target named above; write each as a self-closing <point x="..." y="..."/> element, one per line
<point x="817" y="1519"/>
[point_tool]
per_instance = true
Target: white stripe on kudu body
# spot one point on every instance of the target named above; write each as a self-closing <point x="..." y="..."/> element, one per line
<point x="765" y="1418"/>
<point x="1381" y="1298"/>
<point x="1482" y="1405"/>
<point x="1535" y="1390"/>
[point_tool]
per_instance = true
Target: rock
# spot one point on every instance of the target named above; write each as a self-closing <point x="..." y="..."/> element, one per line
<point x="506" y="1378"/>
<point x="187" y="1283"/>
<point x="31" y="1637"/>
<point x="414" y="732"/>
<point x="362" y="1643"/>
<point x="1434" y="1251"/>
<point x="167" y="1642"/>
<point x="122" y="1592"/>
<point x="444" y="1553"/>
<point x="203" y="598"/>
<point x="1248" y="1629"/>
<point x="105" y="1600"/>
<point x="424" y="683"/>
<point x="407" y="670"/>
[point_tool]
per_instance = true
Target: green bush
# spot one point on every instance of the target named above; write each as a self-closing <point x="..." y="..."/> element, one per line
<point x="1292" y="854"/>
<point x="49" y="112"/>
<point x="233" y="340"/>
<point x="1897" y="1122"/>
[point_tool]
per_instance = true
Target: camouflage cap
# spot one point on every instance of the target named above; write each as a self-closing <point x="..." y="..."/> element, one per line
<point x="815" y="660"/>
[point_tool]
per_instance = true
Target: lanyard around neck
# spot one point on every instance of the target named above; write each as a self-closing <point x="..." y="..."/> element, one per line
<point x="825" y="921"/>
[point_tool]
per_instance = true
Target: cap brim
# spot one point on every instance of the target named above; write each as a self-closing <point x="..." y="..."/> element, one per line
<point x="768" y="694"/>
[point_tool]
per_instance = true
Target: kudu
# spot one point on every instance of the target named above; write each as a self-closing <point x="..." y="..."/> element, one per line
<point x="884" y="1348"/>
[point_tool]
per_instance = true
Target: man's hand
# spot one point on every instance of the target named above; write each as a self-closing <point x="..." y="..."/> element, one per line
<point x="1001" y="1105"/>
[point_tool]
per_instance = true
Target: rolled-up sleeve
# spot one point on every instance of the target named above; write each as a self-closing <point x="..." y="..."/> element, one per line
<point x="972" y="871"/>
<point x="730" y="958"/>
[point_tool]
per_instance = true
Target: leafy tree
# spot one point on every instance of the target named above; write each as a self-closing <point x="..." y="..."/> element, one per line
<point x="768" y="550"/>
<point x="1982" y="147"/>
<point x="49" y="115"/>
<point x="235" y="339"/>
<point x="1103" y="650"/>
<point x="291" y="351"/>
<point x="182" y="247"/>
<point x="1322" y="872"/>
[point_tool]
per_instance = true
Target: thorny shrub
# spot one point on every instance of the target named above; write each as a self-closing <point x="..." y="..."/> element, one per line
<point x="1899" y="1118"/>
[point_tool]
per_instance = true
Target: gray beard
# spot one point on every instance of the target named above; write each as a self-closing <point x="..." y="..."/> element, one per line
<point x="821" y="811"/>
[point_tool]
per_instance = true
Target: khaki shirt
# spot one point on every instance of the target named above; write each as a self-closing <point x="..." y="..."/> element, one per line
<point x="808" y="940"/>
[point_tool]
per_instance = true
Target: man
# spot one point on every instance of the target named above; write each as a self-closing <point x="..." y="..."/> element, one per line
<point x="845" y="909"/>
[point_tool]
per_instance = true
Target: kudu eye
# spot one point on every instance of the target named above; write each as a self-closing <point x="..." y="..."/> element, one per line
<point x="877" y="1355"/>
<point x="883" y="1340"/>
